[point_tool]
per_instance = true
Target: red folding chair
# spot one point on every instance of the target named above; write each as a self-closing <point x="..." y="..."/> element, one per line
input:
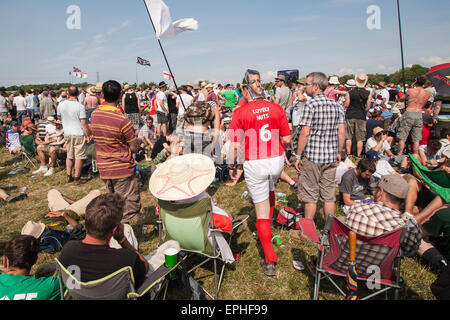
<point x="381" y="253"/>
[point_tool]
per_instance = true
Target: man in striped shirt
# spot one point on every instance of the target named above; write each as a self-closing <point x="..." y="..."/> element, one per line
<point x="115" y="143"/>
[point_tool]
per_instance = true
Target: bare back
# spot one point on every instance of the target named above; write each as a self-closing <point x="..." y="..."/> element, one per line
<point x="417" y="98"/>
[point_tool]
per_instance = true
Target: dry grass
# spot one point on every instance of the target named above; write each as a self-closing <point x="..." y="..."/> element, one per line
<point x="244" y="280"/>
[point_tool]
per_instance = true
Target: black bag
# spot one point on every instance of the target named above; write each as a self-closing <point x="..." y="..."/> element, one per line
<point x="223" y="173"/>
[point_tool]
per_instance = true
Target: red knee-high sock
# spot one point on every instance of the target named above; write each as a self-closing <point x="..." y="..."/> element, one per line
<point x="264" y="228"/>
<point x="272" y="203"/>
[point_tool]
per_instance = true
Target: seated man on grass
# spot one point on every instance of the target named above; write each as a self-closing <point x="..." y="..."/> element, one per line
<point x="429" y="155"/>
<point x="354" y="186"/>
<point x="50" y="146"/>
<point x="380" y="143"/>
<point x="16" y="283"/>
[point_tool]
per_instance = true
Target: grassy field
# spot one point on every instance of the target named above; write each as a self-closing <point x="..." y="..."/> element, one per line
<point x="243" y="280"/>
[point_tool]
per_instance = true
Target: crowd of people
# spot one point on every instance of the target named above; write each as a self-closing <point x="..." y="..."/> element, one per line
<point x="358" y="138"/>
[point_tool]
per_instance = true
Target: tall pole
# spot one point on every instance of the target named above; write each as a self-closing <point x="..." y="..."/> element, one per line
<point x="164" y="54"/>
<point x="137" y="82"/>
<point x="401" y="47"/>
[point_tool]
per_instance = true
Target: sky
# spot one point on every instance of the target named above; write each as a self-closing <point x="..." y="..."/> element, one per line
<point x="331" y="36"/>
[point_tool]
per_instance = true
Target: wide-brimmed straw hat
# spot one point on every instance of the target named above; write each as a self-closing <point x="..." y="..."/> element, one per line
<point x="361" y="80"/>
<point x="91" y="90"/>
<point x="34" y="229"/>
<point x="126" y="87"/>
<point x="182" y="177"/>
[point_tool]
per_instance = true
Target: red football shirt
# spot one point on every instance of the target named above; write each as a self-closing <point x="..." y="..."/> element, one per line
<point x="259" y="126"/>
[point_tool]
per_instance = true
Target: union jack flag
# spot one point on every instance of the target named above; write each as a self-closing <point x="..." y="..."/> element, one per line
<point x="143" y="62"/>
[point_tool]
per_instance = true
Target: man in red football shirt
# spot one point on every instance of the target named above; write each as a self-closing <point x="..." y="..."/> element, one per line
<point x="262" y="130"/>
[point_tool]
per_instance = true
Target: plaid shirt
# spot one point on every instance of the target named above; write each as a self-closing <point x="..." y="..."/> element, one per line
<point x="323" y="116"/>
<point x="375" y="219"/>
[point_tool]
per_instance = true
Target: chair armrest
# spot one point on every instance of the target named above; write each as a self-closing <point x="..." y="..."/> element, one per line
<point x="154" y="279"/>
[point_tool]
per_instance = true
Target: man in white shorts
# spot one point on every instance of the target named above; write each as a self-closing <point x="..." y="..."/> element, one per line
<point x="262" y="129"/>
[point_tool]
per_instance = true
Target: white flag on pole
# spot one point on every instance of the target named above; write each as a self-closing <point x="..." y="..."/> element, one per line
<point x="162" y="20"/>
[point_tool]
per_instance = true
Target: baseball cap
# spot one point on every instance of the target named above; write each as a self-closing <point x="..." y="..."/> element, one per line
<point x="392" y="184"/>
<point x="372" y="155"/>
<point x="13" y="123"/>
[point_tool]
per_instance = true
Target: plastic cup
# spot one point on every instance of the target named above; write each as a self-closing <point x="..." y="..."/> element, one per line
<point x="171" y="258"/>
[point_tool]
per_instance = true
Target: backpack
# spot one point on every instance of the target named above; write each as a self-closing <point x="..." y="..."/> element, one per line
<point x="197" y="112"/>
<point x="288" y="217"/>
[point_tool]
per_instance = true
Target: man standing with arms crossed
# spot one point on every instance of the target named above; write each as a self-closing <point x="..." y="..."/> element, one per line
<point x="411" y="121"/>
<point x="261" y="127"/>
<point x="321" y="139"/>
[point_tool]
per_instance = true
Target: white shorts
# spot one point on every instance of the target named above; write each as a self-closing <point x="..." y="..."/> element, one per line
<point x="261" y="176"/>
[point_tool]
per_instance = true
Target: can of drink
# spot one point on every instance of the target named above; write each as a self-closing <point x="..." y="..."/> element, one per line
<point x="94" y="166"/>
<point x="277" y="240"/>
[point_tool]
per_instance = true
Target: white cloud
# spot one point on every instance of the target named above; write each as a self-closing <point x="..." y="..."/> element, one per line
<point x="434" y="60"/>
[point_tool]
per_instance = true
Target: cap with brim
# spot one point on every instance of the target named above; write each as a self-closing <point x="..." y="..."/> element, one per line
<point x="372" y="155"/>
<point x="209" y="86"/>
<point x="14" y="123"/>
<point x="183" y="87"/>
<point x="227" y="120"/>
<point x="34" y="229"/>
<point x="182" y="178"/>
<point x="196" y="87"/>
<point x="51" y="119"/>
<point x="334" y="80"/>
<point x="162" y="84"/>
<point x="392" y="184"/>
<point x="126" y="87"/>
<point x="281" y="77"/>
<point x="189" y="85"/>
<point x="350" y="83"/>
<point x="91" y="90"/>
<point x="361" y="80"/>
<point x="377" y="130"/>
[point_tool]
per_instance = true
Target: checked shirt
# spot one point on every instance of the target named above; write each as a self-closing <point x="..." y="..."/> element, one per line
<point x="323" y="116"/>
<point x="375" y="219"/>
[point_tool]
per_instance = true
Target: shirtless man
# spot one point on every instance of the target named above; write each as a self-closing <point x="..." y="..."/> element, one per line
<point x="411" y="121"/>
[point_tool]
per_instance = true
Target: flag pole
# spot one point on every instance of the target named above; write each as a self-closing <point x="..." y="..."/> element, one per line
<point x="164" y="54"/>
<point x="401" y="48"/>
<point x="137" y="82"/>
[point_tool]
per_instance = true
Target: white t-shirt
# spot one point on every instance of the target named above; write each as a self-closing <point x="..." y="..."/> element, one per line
<point x="161" y="96"/>
<point x="297" y="108"/>
<point x="187" y="99"/>
<point x="201" y="97"/>
<point x="373" y="143"/>
<point x="71" y="113"/>
<point x="383" y="169"/>
<point x="3" y="104"/>
<point x="50" y="128"/>
<point x="382" y="94"/>
<point x="20" y="103"/>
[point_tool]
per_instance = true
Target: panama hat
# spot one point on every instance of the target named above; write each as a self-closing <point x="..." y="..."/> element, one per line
<point x="395" y="110"/>
<point x="34" y="229"/>
<point x="361" y="80"/>
<point x="302" y="81"/>
<point x="126" y="87"/>
<point x="377" y="130"/>
<point x="91" y="90"/>
<point x="350" y="83"/>
<point x="182" y="177"/>
<point x="209" y="85"/>
<point x="334" y="80"/>
<point x="99" y="87"/>
<point x="51" y="119"/>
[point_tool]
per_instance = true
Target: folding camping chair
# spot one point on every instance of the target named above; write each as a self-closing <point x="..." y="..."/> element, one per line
<point x="372" y="253"/>
<point x="191" y="224"/>
<point x="29" y="149"/>
<point x="119" y="285"/>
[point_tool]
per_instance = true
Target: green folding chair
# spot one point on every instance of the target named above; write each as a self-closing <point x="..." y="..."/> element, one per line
<point x="29" y="149"/>
<point x="191" y="224"/>
<point x="119" y="285"/>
